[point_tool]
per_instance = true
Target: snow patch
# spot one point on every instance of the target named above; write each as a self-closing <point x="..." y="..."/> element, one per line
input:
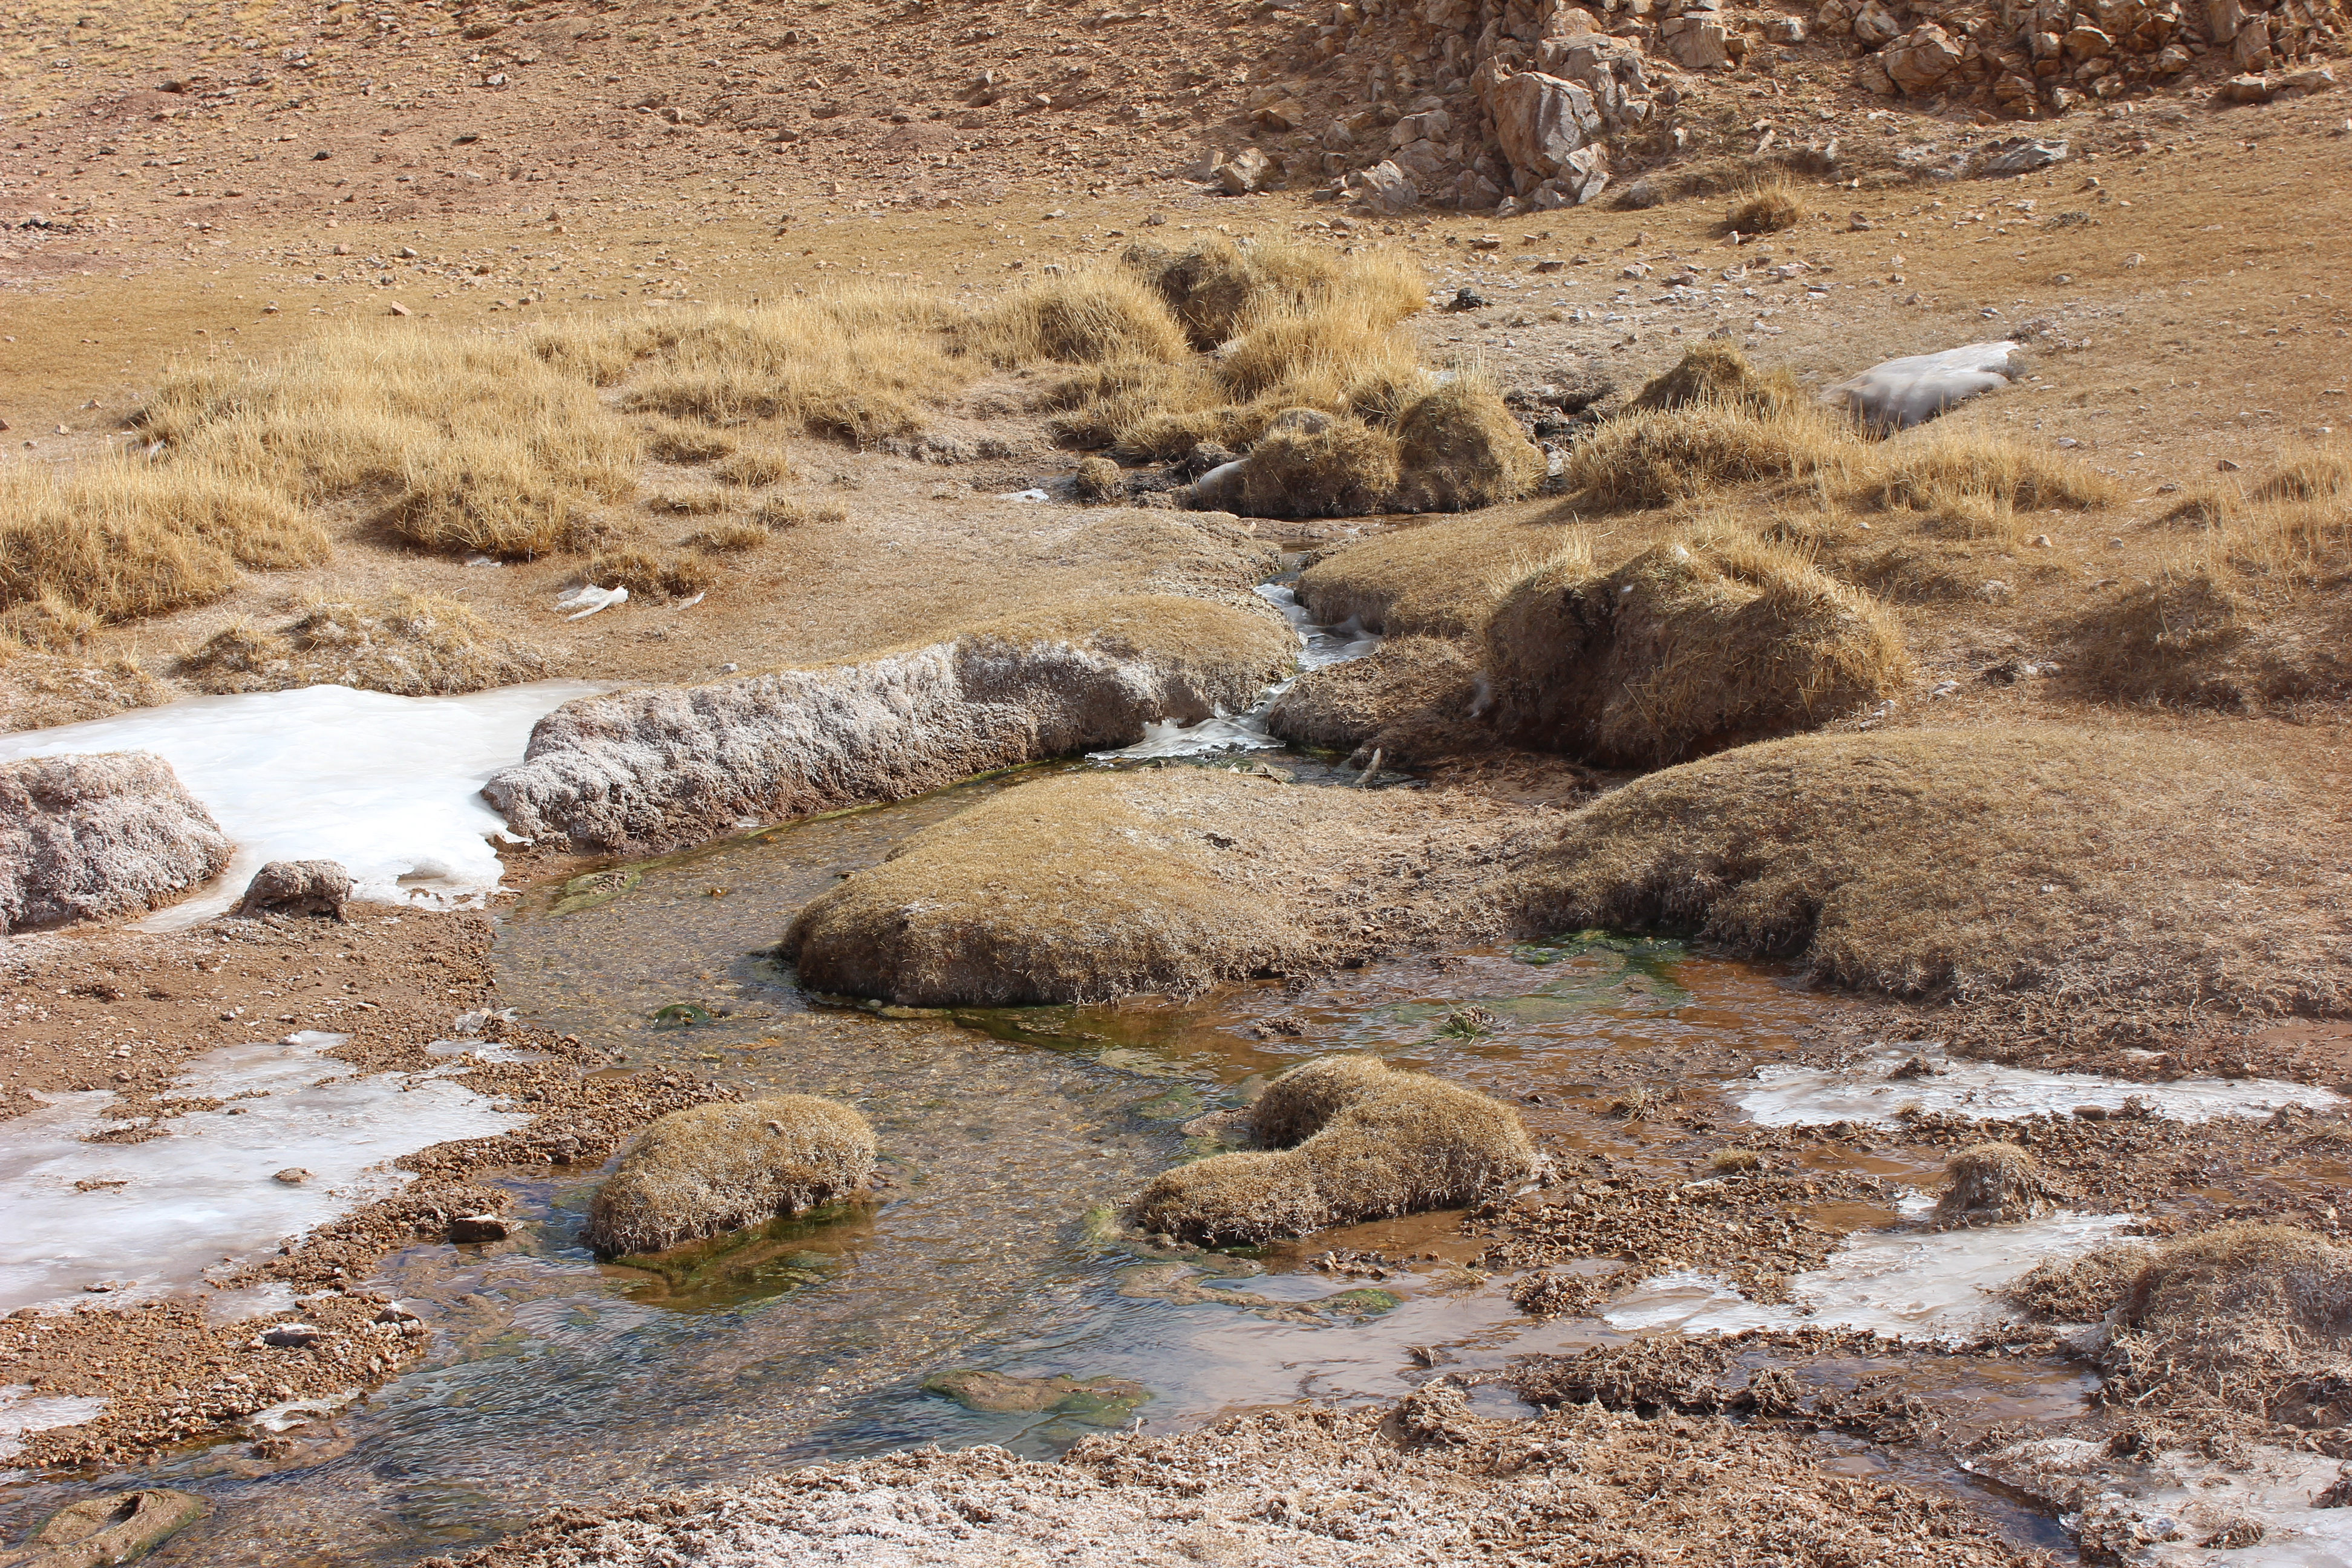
<point x="1799" y="1096"/>
<point x="2164" y="1510"/>
<point x="152" y="1216"/>
<point x="389" y="786"/>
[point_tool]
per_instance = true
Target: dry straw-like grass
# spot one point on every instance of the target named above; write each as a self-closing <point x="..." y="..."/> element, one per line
<point x="123" y="537"/>
<point x="2247" y="610"/>
<point x="411" y="644"/>
<point x="650" y="576"/>
<point x="1371" y="1142"/>
<point x="463" y="443"/>
<point x="1967" y="863"/>
<point x="710" y="1169"/>
<point x="1767" y="209"/>
<point x="1687" y="646"/>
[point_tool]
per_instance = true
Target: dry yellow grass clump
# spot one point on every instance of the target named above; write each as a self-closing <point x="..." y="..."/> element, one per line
<point x="464" y="443"/>
<point x="2239" y="1321"/>
<point x="1312" y="464"/>
<point x="1372" y="1141"/>
<point x="1767" y="209"/>
<point x="123" y="538"/>
<point x="1098" y="885"/>
<point x="2153" y="872"/>
<point x="414" y="645"/>
<point x="1101" y="316"/>
<point x="1411" y="698"/>
<point x="2250" y="611"/>
<point x="710" y="1169"/>
<point x="1684" y="648"/>
<point x="1439" y="579"/>
<point x="856" y="364"/>
<point x="1991" y="1184"/>
<point x="646" y="576"/>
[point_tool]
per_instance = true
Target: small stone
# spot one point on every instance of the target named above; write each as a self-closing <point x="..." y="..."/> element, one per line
<point x="292" y="1336"/>
<point x="476" y="1227"/>
<point x="293" y="1175"/>
<point x="1248" y="170"/>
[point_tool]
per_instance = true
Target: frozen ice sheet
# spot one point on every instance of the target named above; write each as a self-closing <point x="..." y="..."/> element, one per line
<point x="1904" y="1283"/>
<point x="390" y="786"/>
<point x="1789" y="1096"/>
<point x="2189" y="1499"/>
<point x="22" y="1410"/>
<point x="152" y="1216"/>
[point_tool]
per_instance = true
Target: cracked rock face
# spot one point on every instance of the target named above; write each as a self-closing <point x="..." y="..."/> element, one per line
<point x="672" y="764"/>
<point x="95" y="838"/>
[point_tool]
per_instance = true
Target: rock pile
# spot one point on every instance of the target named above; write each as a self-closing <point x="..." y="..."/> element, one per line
<point x="2025" y="56"/>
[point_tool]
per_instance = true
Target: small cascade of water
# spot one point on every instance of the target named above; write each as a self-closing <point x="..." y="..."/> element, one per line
<point x="1246" y="732"/>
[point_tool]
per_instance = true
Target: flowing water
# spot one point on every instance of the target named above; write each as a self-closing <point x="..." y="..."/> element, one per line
<point x="1010" y="1136"/>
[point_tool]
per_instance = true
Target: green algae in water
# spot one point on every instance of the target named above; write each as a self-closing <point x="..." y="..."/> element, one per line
<point x="681" y="1015"/>
<point x="1367" y="1302"/>
<point x="743" y="1268"/>
<point x="596" y="888"/>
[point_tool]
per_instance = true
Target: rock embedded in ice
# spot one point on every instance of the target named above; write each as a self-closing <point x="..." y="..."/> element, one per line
<point x="95" y="836"/>
<point x="1867" y="1090"/>
<point x="1902" y="393"/>
<point x="389" y="787"/>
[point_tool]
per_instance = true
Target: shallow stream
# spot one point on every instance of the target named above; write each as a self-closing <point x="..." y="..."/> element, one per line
<point x="1009" y="1136"/>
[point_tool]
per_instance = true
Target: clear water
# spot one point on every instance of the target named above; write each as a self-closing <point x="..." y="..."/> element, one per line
<point x="1009" y="1136"/>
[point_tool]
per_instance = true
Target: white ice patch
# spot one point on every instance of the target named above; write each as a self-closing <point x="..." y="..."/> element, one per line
<point x="156" y="1215"/>
<point x="1029" y="494"/>
<point x="1902" y="393"/>
<point x="587" y="599"/>
<point x="2181" y="1499"/>
<point x="1318" y="645"/>
<point x="389" y="786"/>
<point x="22" y="1411"/>
<point x="1904" y="1283"/>
<point x="1799" y="1096"/>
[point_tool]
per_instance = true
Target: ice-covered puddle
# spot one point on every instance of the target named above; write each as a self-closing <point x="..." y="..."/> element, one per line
<point x="1795" y="1096"/>
<point x="1319" y="646"/>
<point x="1906" y="1283"/>
<point x="25" y="1410"/>
<point x="390" y="786"/>
<point x="153" y="1216"/>
<point x="2262" y="1507"/>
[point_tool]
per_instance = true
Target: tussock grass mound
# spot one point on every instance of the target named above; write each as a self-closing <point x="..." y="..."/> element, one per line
<point x="120" y="539"/>
<point x="856" y="364"/>
<point x="2095" y="866"/>
<point x="2249" y="614"/>
<point x="1438" y="579"/>
<point x="1645" y="460"/>
<point x="678" y="576"/>
<point x="1218" y="285"/>
<point x="1991" y="1184"/>
<point x="710" y="1169"/>
<point x="1311" y="464"/>
<point x="1682" y="648"/>
<point x="1767" y="209"/>
<point x="1101" y="316"/>
<point x="413" y="645"/>
<point x="2243" y="1319"/>
<point x="470" y="443"/>
<point x="1371" y="1142"/>
<point x="1090" y="885"/>
<point x="1411" y="698"/>
<point x="1716" y="375"/>
<point x="1460" y="449"/>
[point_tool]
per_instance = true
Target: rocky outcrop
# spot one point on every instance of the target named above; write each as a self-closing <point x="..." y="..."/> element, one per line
<point x="674" y="764"/>
<point x="96" y="837"/>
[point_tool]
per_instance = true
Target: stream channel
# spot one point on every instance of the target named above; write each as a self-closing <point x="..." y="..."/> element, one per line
<point x="1009" y="1136"/>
